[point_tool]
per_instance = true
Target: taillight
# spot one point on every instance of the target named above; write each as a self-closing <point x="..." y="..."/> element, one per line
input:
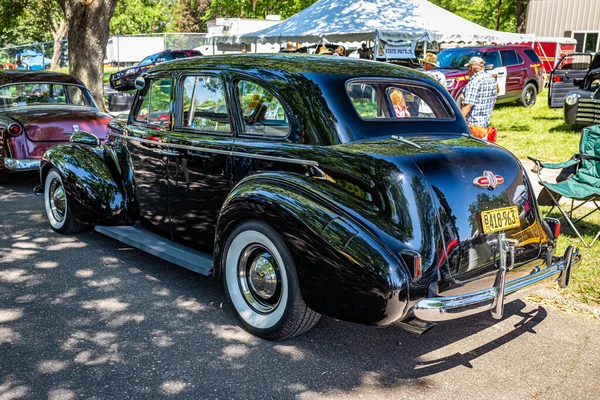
<point x="557" y="79"/>
<point x="554" y="226"/>
<point x="14" y="129"/>
<point x="414" y="259"/>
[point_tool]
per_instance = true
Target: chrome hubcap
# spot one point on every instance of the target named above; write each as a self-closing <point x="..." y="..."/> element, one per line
<point x="57" y="200"/>
<point x="259" y="279"/>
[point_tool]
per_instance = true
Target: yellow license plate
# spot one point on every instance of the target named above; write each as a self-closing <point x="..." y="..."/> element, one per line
<point x="117" y="82"/>
<point x="500" y="219"/>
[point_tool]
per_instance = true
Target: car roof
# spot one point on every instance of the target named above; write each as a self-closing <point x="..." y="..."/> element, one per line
<point x="8" y="77"/>
<point x="492" y="47"/>
<point x="298" y="64"/>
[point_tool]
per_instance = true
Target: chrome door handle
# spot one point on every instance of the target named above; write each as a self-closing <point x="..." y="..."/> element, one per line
<point x="167" y="152"/>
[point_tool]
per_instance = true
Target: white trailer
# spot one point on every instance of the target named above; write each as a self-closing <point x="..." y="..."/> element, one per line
<point x="132" y="49"/>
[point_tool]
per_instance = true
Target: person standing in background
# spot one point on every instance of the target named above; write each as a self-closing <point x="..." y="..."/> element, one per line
<point x="480" y="94"/>
<point x="429" y="63"/>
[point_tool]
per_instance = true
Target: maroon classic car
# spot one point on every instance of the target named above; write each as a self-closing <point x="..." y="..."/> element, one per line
<point x="39" y="110"/>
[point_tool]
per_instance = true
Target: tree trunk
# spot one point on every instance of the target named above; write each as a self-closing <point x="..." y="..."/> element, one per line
<point x="521" y="6"/>
<point x="58" y="35"/>
<point x="499" y="13"/>
<point x="88" y="22"/>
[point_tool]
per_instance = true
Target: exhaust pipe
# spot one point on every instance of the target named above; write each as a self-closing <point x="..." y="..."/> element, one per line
<point x="415" y="325"/>
<point x="38" y="190"/>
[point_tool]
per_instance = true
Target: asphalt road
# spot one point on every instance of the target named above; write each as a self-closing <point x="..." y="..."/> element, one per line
<point x="87" y="317"/>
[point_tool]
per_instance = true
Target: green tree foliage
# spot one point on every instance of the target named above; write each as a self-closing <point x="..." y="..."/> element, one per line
<point x="255" y="8"/>
<point x="141" y="16"/>
<point x="485" y="12"/>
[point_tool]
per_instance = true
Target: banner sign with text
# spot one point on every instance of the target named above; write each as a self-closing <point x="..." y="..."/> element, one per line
<point x="400" y="50"/>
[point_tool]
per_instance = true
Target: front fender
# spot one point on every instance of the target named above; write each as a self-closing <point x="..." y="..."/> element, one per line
<point x="343" y="271"/>
<point x="91" y="180"/>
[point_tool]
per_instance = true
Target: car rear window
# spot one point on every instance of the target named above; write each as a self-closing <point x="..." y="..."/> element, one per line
<point x="396" y="101"/>
<point x="532" y="56"/>
<point x="27" y="94"/>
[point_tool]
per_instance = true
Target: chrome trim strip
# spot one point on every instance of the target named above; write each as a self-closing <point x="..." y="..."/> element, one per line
<point x="219" y="151"/>
<point x="23" y="164"/>
<point x="444" y="308"/>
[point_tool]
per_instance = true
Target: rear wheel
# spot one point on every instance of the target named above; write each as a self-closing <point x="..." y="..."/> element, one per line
<point x="261" y="282"/>
<point x="528" y="95"/>
<point x="56" y="202"/>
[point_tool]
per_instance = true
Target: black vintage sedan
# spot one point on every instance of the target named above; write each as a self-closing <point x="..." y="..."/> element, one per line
<point x="293" y="179"/>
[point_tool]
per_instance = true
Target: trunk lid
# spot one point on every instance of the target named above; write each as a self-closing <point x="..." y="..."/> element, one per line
<point x="55" y="124"/>
<point x="443" y="208"/>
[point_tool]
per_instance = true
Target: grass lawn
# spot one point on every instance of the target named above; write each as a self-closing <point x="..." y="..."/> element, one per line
<point x="541" y="132"/>
<point x="537" y="131"/>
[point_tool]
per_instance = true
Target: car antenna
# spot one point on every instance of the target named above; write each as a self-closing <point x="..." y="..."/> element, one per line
<point x="406" y="141"/>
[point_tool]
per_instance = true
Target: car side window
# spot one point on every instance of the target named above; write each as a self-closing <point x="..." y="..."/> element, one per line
<point x="204" y="104"/>
<point x="493" y="58"/>
<point x="156" y="104"/>
<point x="395" y="101"/>
<point x="263" y="114"/>
<point x="532" y="56"/>
<point x="510" y="57"/>
<point x="146" y="61"/>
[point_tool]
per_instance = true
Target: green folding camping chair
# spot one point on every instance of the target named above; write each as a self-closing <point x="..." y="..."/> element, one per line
<point x="579" y="180"/>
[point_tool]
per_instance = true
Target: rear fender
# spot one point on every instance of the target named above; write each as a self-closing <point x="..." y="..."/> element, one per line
<point x="92" y="181"/>
<point x="343" y="271"/>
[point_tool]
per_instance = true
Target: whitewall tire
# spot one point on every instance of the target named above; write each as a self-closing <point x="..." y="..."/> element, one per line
<point x="57" y="205"/>
<point x="261" y="282"/>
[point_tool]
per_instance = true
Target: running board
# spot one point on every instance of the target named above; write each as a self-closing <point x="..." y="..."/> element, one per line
<point x="158" y="246"/>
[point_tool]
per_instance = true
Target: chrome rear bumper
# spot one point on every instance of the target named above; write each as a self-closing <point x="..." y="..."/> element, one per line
<point x="22" y="164"/>
<point x="445" y="308"/>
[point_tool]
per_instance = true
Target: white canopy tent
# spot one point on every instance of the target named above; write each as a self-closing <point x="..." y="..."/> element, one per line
<point x="387" y="20"/>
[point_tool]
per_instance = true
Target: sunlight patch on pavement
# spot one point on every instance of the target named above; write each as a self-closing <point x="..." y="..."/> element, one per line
<point x="173" y="387"/>
<point x="93" y="348"/>
<point x="233" y="334"/>
<point x="10" y="314"/>
<point x="235" y="351"/>
<point x="61" y="394"/>
<point x="189" y="304"/>
<point x="123" y="319"/>
<point x="9" y="336"/>
<point x="51" y="366"/>
<point x="84" y="273"/>
<point x="11" y="388"/>
<point x="160" y="339"/>
<point x="292" y="351"/>
<point x="15" y="275"/>
<point x="111" y="281"/>
<point x="111" y="304"/>
<point x="46" y="265"/>
<point x="66" y="246"/>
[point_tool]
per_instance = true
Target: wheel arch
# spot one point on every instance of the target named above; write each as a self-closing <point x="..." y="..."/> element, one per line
<point x="95" y="193"/>
<point x="342" y="270"/>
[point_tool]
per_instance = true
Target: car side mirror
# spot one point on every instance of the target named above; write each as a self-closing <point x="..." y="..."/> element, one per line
<point x="83" y="137"/>
<point x="578" y="82"/>
<point x="489" y="66"/>
<point x="139" y="83"/>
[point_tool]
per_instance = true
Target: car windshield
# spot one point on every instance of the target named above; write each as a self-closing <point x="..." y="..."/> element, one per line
<point x="26" y="94"/>
<point x="456" y="58"/>
<point x="146" y="61"/>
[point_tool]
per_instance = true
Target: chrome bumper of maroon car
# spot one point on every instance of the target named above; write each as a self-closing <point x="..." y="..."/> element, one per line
<point x="22" y="164"/>
<point x="445" y="308"/>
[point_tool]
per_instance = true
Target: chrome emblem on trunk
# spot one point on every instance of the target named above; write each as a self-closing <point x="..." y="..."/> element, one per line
<point x="488" y="180"/>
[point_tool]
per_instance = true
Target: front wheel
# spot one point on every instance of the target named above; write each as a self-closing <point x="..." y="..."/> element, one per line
<point x="261" y="282"/>
<point x="528" y="95"/>
<point x="57" y="205"/>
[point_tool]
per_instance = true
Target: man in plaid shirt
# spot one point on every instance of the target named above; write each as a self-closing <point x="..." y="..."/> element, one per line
<point x="480" y="94"/>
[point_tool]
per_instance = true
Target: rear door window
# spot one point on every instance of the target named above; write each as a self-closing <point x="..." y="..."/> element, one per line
<point x="396" y="101"/>
<point x="205" y="105"/>
<point x="263" y="113"/>
<point x="510" y="57"/>
<point x="493" y="58"/>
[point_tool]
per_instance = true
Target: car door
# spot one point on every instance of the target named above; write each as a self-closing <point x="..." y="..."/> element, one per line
<point x="570" y="67"/>
<point x="493" y="58"/>
<point x="146" y="137"/>
<point x="515" y="72"/>
<point x="200" y="171"/>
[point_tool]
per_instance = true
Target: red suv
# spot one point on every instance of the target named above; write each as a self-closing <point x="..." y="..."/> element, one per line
<point x="518" y="70"/>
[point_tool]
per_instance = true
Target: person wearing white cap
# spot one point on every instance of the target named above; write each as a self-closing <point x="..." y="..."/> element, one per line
<point x="480" y="94"/>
